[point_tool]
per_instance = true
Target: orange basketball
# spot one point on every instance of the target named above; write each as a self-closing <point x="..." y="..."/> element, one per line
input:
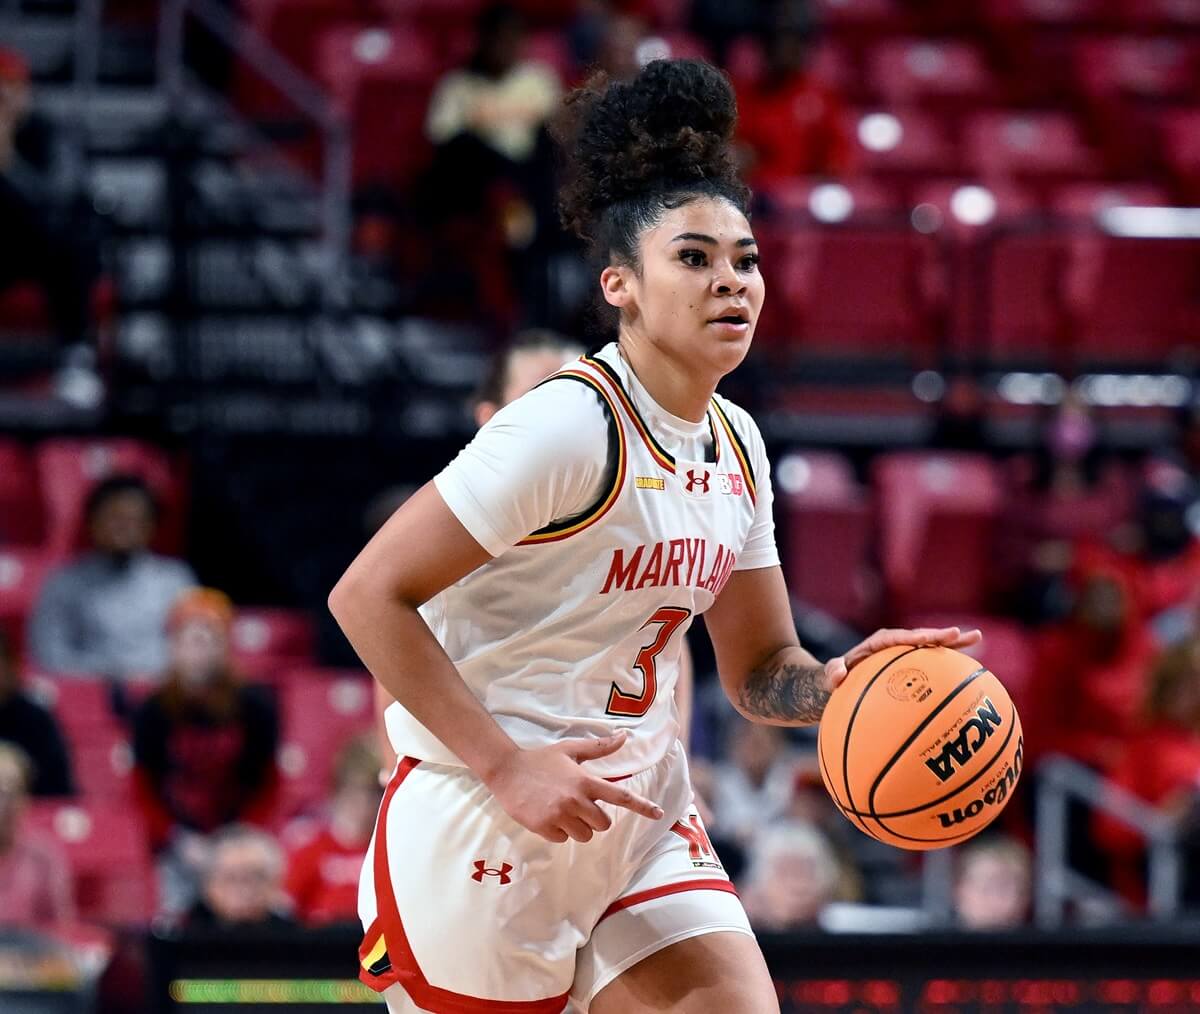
<point x="920" y="747"/>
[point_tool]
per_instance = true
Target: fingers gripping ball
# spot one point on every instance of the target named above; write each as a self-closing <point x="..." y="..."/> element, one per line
<point x="920" y="747"/>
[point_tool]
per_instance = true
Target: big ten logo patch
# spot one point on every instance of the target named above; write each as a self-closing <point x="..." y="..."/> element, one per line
<point x="700" y="849"/>
<point x="730" y="483"/>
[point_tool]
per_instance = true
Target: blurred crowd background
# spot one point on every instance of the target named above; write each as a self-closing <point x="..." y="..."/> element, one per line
<point x="260" y="264"/>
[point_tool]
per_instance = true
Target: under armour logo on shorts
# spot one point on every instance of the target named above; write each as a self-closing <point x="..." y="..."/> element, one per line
<point x="483" y="870"/>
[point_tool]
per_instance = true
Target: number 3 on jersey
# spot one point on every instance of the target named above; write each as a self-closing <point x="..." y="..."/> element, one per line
<point x="634" y="706"/>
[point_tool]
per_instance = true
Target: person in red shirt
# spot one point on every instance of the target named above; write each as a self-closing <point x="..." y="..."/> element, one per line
<point x="1162" y="767"/>
<point x="322" y="876"/>
<point x="791" y="124"/>
<point x="1091" y="671"/>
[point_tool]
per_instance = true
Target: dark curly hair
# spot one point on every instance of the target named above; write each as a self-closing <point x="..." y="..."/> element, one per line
<point x="639" y="148"/>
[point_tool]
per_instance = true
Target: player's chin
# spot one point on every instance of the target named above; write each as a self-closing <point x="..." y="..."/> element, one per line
<point x="728" y="343"/>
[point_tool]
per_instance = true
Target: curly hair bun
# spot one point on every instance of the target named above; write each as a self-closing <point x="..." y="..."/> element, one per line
<point x="668" y="128"/>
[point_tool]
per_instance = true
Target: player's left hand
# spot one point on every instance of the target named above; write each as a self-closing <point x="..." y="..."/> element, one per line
<point x="837" y="668"/>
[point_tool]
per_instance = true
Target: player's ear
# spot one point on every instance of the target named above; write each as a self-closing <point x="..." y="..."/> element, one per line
<point x="614" y="283"/>
<point x="484" y="410"/>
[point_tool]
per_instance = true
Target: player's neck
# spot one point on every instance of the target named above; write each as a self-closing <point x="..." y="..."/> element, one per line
<point x="678" y="390"/>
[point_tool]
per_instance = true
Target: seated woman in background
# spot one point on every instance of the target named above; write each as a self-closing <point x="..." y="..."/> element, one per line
<point x="204" y="746"/>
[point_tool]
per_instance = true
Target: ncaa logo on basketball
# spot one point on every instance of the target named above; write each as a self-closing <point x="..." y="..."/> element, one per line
<point x="973" y="734"/>
<point x="994" y="795"/>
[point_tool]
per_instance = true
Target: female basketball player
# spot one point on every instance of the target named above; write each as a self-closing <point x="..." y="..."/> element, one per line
<point x="537" y="844"/>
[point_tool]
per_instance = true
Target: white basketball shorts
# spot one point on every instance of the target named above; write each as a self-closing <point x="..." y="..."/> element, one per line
<point x="466" y="912"/>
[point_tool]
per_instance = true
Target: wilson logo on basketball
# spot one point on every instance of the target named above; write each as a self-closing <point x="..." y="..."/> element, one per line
<point x="994" y="796"/>
<point x="483" y="870"/>
<point x="970" y="738"/>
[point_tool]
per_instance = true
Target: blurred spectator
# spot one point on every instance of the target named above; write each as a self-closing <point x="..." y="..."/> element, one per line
<point x="323" y="873"/>
<point x="993" y="886"/>
<point x="243" y="882"/>
<point x="1068" y="492"/>
<point x="1168" y="551"/>
<point x="1090" y="670"/>
<point x="487" y="120"/>
<point x="47" y="238"/>
<point x="204" y="745"/>
<point x="35" y="880"/>
<point x="793" y="875"/>
<point x="720" y="22"/>
<point x="26" y="724"/>
<point x="104" y="613"/>
<point x="528" y="360"/>
<point x="790" y="123"/>
<point x="753" y="786"/>
<point x="1162" y="766"/>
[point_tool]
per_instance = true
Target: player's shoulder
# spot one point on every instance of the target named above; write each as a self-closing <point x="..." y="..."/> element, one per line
<point x="564" y="413"/>
<point x="742" y="423"/>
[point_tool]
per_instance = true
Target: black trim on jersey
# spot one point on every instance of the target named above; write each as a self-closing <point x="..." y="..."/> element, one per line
<point x="382" y="966"/>
<point x="616" y="379"/>
<point x="610" y="466"/>
<point x="737" y="437"/>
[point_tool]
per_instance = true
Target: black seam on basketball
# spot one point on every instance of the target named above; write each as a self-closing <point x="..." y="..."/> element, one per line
<point x="829" y="780"/>
<point x="965" y="682"/>
<point x="850" y="730"/>
<point x="951" y="840"/>
<point x="1012" y="725"/>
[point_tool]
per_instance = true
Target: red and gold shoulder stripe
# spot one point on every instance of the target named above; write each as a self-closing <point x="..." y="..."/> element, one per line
<point x="608" y="496"/>
<point x="739" y="451"/>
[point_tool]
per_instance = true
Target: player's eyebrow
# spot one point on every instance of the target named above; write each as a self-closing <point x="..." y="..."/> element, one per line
<point x="699" y="237"/>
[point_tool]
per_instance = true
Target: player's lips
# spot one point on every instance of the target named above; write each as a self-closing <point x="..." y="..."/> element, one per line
<point x="735" y="321"/>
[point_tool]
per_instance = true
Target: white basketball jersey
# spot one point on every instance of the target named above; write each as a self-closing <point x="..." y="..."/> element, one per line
<point x="577" y="630"/>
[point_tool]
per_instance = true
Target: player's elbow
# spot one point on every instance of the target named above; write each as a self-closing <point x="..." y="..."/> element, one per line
<point x="346" y="596"/>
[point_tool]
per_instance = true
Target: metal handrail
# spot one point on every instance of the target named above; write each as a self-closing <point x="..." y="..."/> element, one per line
<point x="303" y="93"/>
<point x="1061" y="781"/>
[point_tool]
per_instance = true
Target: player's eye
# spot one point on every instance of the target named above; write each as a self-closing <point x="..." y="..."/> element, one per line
<point x="693" y="258"/>
<point x="749" y="262"/>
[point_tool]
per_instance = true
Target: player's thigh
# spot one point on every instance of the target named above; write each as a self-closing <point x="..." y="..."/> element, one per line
<point x="714" y="972"/>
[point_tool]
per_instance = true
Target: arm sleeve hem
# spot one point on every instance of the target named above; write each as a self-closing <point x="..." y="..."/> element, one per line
<point x="471" y="515"/>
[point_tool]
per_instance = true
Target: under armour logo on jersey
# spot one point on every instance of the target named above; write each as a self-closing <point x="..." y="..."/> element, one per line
<point x="695" y="480"/>
<point x="483" y="870"/>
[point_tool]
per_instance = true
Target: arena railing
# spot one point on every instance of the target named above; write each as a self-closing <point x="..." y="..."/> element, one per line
<point x="305" y="95"/>
<point x="1063" y="782"/>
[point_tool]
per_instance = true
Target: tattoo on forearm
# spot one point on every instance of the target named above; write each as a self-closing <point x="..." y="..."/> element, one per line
<point x="786" y="691"/>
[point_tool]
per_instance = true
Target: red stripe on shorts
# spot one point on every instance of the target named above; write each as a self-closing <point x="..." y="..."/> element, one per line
<point x="405" y="970"/>
<point x="661" y="892"/>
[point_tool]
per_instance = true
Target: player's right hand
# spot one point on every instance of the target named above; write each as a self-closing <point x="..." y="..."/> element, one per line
<point x="546" y="791"/>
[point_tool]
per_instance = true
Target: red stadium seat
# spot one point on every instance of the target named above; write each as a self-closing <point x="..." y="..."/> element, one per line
<point x="944" y="73"/>
<point x="936" y="516"/>
<point x="69" y="469"/>
<point x="22" y="572"/>
<point x="82" y="705"/>
<point x="106" y="848"/>
<point x="966" y="212"/>
<point x="267" y="641"/>
<point x="1055" y="13"/>
<point x="1159" y="14"/>
<point x="904" y="140"/>
<point x="1034" y="146"/>
<point x="1083" y="201"/>
<point x="1161" y="68"/>
<point x="1180" y="133"/>
<point x="815" y="199"/>
<point x="853" y="291"/>
<point x="551" y="48"/>
<point x="381" y="79"/>
<point x="22" y="520"/>
<point x="828" y="518"/>
<point x="321" y="711"/>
